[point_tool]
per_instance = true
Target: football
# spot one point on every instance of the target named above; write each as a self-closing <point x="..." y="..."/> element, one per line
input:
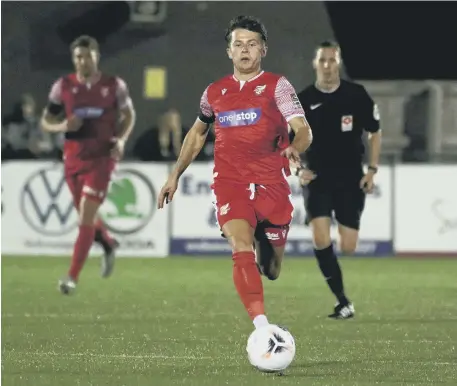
<point x="271" y="348"/>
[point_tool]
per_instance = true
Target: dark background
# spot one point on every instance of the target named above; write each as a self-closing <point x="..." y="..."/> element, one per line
<point x="379" y="40"/>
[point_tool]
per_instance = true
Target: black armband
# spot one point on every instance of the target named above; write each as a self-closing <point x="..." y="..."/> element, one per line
<point x="205" y="119"/>
<point x="54" y="108"/>
<point x="374" y="169"/>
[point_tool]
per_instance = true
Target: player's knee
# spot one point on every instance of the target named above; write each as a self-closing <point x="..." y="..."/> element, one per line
<point x="88" y="208"/>
<point x="321" y="240"/>
<point x="348" y="245"/>
<point x="241" y="243"/>
<point x="348" y="239"/>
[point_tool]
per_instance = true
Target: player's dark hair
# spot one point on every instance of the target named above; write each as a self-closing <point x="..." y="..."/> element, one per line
<point x="329" y="44"/>
<point x="85" y="41"/>
<point x="246" y="22"/>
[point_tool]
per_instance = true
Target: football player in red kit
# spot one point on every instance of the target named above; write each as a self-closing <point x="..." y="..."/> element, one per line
<point x="96" y="113"/>
<point x="250" y="111"/>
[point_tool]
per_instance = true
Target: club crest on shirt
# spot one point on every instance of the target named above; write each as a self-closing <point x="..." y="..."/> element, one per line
<point x="260" y="89"/>
<point x="104" y="92"/>
<point x="224" y="209"/>
<point x="346" y="123"/>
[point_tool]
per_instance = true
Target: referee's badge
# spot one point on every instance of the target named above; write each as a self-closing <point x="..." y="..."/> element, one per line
<point x="346" y="123"/>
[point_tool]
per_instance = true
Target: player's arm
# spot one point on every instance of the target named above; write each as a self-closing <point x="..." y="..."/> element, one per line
<point x="195" y="138"/>
<point x="53" y="119"/>
<point x="303" y="134"/>
<point x="126" y="110"/>
<point x="290" y="107"/>
<point x="371" y="123"/>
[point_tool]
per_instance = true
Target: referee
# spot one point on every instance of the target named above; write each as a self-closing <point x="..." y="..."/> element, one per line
<point x="332" y="174"/>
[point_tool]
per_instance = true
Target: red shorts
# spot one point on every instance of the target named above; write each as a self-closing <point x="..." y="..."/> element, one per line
<point x="89" y="178"/>
<point x="256" y="203"/>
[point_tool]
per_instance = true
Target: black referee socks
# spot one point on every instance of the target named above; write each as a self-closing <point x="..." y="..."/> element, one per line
<point x="330" y="268"/>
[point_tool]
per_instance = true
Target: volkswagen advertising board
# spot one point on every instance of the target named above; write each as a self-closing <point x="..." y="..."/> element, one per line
<point x="38" y="216"/>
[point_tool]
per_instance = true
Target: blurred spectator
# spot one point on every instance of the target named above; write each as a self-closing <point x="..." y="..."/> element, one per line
<point x="170" y="134"/>
<point x="22" y="137"/>
<point x="163" y="142"/>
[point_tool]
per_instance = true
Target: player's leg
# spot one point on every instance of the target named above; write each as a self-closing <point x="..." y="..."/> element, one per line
<point x="319" y="206"/>
<point x="270" y="245"/>
<point x="97" y="185"/>
<point x="75" y="184"/>
<point x="246" y="277"/>
<point x="329" y="264"/>
<point x="274" y="205"/>
<point x="88" y="208"/>
<point x="237" y="219"/>
<point x="109" y="245"/>
<point x="349" y="205"/>
<point x="102" y="235"/>
<point x="93" y="190"/>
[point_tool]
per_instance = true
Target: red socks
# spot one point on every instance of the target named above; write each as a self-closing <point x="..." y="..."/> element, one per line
<point x="248" y="283"/>
<point x="81" y="250"/>
<point x="103" y="234"/>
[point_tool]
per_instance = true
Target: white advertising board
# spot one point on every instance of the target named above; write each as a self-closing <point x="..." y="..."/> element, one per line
<point x="195" y="231"/>
<point x="38" y="217"/>
<point x="426" y="209"/>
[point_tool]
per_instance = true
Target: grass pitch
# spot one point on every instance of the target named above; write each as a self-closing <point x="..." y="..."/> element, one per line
<point x="178" y="321"/>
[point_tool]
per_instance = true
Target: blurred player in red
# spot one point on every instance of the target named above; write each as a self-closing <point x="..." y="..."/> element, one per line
<point x="96" y="113"/>
<point x="250" y="111"/>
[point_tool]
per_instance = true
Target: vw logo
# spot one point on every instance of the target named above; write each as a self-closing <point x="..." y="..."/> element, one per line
<point x="47" y="204"/>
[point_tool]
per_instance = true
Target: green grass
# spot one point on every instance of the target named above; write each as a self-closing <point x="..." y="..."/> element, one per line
<point x="178" y="321"/>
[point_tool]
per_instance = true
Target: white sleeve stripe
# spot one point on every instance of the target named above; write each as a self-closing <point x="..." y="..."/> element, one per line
<point x="289" y="118"/>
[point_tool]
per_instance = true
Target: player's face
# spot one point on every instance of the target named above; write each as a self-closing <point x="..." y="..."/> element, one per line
<point x="85" y="61"/>
<point x="246" y="50"/>
<point x="327" y="64"/>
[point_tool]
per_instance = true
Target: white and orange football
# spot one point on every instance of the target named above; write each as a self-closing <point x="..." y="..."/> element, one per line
<point x="271" y="348"/>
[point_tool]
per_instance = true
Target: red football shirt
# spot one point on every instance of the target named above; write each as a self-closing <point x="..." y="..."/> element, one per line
<point x="98" y="103"/>
<point x="250" y="120"/>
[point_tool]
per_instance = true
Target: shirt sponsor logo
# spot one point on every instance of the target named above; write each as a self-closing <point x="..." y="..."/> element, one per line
<point x="88" y="112"/>
<point x="239" y="117"/>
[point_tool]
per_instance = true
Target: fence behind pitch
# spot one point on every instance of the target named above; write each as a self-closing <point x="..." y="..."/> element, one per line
<point x="412" y="211"/>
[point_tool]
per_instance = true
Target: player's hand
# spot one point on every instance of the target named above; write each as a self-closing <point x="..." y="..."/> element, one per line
<point x="291" y="154"/>
<point x="305" y="176"/>
<point x="367" y="183"/>
<point x="167" y="192"/>
<point x="117" y="151"/>
<point x="73" y="124"/>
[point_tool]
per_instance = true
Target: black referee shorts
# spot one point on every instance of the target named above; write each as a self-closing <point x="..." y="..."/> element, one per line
<point x="345" y="201"/>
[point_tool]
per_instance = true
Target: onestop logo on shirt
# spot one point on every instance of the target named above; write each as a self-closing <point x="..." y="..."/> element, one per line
<point x="243" y="117"/>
